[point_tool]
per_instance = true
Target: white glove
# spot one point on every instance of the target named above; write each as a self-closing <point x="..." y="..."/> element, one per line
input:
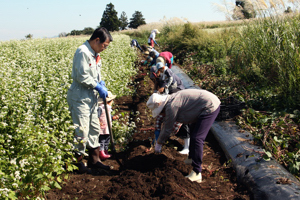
<point x="157" y="148"/>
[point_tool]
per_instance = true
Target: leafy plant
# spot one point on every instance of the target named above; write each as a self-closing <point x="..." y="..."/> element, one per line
<point x="36" y="131"/>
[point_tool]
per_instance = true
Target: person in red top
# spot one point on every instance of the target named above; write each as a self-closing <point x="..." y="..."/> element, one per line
<point x="168" y="57"/>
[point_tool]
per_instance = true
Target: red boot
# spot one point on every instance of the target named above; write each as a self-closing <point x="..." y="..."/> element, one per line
<point x="106" y="152"/>
<point x="103" y="156"/>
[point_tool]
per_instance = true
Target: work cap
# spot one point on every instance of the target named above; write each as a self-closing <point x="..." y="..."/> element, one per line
<point x="109" y="97"/>
<point x="156" y="103"/>
<point x="159" y="65"/>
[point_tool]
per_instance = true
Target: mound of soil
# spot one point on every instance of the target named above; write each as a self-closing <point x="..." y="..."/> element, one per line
<point x="146" y="175"/>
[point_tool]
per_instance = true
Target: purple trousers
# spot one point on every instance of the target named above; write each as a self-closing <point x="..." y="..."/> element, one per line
<point x="197" y="138"/>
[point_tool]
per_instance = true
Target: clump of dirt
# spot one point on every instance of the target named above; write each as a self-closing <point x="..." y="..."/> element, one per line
<point x="146" y="175"/>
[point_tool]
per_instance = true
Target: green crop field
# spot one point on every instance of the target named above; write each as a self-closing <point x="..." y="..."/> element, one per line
<point x="36" y="131"/>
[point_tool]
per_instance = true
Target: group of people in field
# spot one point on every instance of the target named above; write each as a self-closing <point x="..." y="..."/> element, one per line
<point x="175" y="108"/>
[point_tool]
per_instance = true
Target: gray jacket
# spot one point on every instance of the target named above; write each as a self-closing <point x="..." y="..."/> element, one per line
<point x="185" y="106"/>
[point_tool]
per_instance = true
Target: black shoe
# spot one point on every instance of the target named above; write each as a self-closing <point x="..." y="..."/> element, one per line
<point x="98" y="165"/>
<point x="81" y="168"/>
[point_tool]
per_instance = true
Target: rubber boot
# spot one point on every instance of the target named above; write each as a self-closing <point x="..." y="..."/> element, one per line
<point x="106" y="152"/>
<point x="102" y="155"/>
<point x="193" y="176"/>
<point x="94" y="161"/>
<point x="81" y="166"/>
<point x="186" y="146"/>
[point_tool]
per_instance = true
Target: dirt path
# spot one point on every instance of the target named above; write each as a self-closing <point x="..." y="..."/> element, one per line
<point x="146" y="175"/>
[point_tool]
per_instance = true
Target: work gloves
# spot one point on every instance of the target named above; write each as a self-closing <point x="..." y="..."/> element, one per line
<point x="101" y="89"/>
<point x="157" y="148"/>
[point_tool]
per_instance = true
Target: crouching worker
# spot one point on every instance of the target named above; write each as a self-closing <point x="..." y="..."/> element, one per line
<point x="196" y="106"/>
<point x="82" y="99"/>
<point x="134" y="43"/>
<point x="104" y="137"/>
<point x="168" y="82"/>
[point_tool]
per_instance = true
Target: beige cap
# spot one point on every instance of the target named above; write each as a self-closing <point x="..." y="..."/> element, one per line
<point x="156" y="103"/>
<point x="109" y="97"/>
<point x="160" y="59"/>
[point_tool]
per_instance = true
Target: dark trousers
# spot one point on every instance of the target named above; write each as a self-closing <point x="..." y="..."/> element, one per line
<point x="197" y="138"/>
<point x="104" y="142"/>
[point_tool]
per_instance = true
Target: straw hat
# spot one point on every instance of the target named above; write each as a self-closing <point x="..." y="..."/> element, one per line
<point x="160" y="59"/>
<point x="156" y="103"/>
<point x="146" y="52"/>
<point x="109" y="97"/>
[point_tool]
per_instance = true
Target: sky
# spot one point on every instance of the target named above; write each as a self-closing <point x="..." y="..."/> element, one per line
<point x="42" y="18"/>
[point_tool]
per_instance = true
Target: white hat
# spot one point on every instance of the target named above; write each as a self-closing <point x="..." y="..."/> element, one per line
<point x="109" y="97"/>
<point x="156" y="31"/>
<point x="156" y="103"/>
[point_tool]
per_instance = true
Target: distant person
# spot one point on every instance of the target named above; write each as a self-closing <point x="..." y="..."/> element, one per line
<point x="154" y="55"/>
<point x="168" y="58"/>
<point x="168" y="82"/>
<point x="82" y="98"/>
<point x="148" y="61"/>
<point x="190" y="106"/>
<point x="134" y="43"/>
<point x="151" y="39"/>
<point x="148" y="49"/>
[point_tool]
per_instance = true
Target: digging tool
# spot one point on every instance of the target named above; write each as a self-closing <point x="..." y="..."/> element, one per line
<point x="111" y="135"/>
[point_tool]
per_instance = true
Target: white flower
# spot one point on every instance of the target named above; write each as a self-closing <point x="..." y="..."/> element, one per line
<point x="13" y="161"/>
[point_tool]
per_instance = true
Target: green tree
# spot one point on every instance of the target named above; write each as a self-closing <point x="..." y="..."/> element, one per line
<point x="288" y="10"/>
<point x="75" y="32"/>
<point x="244" y="9"/>
<point x="110" y="19"/>
<point x="29" y="36"/>
<point x="123" y="21"/>
<point x="136" y="20"/>
<point x="87" y="31"/>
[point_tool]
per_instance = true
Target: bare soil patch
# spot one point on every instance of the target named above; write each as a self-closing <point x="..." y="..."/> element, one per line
<point x="146" y="175"/>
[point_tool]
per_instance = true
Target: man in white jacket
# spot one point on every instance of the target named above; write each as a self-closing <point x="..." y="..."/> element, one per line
<point x="82" y="98"/>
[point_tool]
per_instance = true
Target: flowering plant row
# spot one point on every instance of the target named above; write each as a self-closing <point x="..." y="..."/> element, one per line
<point x="36" y="130"/>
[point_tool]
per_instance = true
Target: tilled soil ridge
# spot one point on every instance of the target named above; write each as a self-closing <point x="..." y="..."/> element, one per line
<point x="146" y="175"/>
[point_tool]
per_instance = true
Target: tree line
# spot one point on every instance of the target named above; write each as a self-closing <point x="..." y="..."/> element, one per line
<point x="111" y="22"/>
<point x="244" y="9"/>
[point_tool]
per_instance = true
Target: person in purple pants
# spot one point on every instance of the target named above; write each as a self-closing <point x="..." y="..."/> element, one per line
<point x="190" y="106"/>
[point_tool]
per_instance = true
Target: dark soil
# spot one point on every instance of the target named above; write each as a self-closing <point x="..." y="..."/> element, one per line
<point x="146" y="175"/>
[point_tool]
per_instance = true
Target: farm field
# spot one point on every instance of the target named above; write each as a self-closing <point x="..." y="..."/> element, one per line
<point x="146" y="175"/>
<point x="35" y="125"/>
<point x="36" y="132"/>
